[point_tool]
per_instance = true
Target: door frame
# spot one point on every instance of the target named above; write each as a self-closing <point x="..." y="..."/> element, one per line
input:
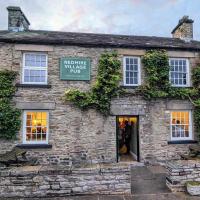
<point x="117" y="133"/>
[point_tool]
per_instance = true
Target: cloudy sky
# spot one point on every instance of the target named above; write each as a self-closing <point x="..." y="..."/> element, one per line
<point x="132" y="17"/>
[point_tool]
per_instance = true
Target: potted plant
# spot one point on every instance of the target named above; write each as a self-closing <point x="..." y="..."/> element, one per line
<point x="193" y="187"/>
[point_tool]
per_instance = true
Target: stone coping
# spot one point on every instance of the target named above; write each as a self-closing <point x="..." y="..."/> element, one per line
<point x="63" y="169"/>
<point x="183" y="164"/>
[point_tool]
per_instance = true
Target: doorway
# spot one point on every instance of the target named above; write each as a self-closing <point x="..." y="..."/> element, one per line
<point x="127" y="138"/>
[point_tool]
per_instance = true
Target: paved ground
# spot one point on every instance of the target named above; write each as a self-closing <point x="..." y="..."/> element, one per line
<point x="148" y="180"/>
<point x="178" y="196"/>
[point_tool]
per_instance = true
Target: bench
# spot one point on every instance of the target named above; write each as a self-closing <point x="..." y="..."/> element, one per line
<point x="16" y="156"/>
<point x="194" y="153"/>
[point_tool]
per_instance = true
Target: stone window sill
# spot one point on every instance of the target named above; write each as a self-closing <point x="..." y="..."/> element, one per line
<point x="183" y="142"/>
<point x="35" y="146"/>
<point x="128" y="87"/>
<point x="32" y="86"/>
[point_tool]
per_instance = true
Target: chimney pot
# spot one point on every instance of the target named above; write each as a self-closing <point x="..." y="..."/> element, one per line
<point x="184" y="29"/>
<point x="17" y="21"/>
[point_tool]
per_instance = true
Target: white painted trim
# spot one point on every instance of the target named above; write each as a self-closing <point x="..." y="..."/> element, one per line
<point x="188" y="83"/>
<point x="190" y="126"/>
<point x="124" y="70"/>
<point x="24" y="128"/>
<point x="35" y="68"/>
<point x="134" y="155"/>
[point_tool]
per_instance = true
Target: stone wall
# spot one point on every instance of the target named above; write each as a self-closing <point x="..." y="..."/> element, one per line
<point x="154" y="128"/>
<point x="85" y="136"/>
<point x="179" y="172"/>
<point x="37" y="181"/>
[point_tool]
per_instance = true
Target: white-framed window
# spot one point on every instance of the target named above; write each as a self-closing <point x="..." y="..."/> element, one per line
<point x="179" y="72"/>
<point x="35" y="127"/>
<point x="34" y="68"/>
<point x="131" y="69"/>
<point x="181" y="125"/>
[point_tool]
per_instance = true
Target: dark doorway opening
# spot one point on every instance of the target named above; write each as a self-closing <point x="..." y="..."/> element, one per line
<point x="127" y="138"/>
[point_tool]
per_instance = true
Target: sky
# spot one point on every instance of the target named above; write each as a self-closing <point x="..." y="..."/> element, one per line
<point x="129" y="17"/>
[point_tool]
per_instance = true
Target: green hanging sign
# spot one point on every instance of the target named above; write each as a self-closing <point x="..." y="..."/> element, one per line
<point x="75" y="69"/>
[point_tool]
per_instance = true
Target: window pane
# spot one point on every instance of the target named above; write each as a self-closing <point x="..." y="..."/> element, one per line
<point x="178" y="72"/>
<point x="135" y="81"/>
<point x="127" y="67"/>
<point x="131" y="71"/>
<point x="135" y="68"/>
<point x="35" y="60"/>
<point x="26" y="79"/>
<point x="43" y="63"/>
<point x="180" y="124"/>
<point x="36" y="126"/>
<point x="35" y="76"/>
<point x="135" y="61"/>
<point x="34" y="68"/>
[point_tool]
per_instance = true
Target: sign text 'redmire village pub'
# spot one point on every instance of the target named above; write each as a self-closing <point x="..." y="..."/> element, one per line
<point x="75" y="66"/>
<point x="74" y="69"/>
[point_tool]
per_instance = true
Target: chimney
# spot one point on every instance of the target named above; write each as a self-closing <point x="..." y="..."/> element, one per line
<point x="17" y="21"/>
<point x="184" y="29"/>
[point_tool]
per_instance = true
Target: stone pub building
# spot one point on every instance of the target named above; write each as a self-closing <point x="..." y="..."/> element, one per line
<point x="58" y="132"/>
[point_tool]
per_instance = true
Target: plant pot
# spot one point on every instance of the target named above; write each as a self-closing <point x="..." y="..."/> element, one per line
<point x="193" y="187"/>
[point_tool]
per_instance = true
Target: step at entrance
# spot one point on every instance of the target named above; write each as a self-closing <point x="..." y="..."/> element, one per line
<point x="148" y="180"/>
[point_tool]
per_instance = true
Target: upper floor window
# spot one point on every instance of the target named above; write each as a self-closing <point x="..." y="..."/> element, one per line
<point x="131" y="67"/>
<point x="34" y="68"/>
<point x="179" y="72"/>
<point x="181" y="125"/>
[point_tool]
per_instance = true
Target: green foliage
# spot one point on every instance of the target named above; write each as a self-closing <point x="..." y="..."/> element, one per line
<point x="196" y="77"/>
<point x="157" y="69"/>
<point x="7" y="89"/>
<point x="157" y="82"/>
<point x="9" y="116"/>
<point x="105" y="88"/>
<point x="197" y="120"/>
<point x="193" y="183"/>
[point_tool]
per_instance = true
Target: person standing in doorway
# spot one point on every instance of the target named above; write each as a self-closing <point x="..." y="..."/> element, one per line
<point x="127" y="136"/>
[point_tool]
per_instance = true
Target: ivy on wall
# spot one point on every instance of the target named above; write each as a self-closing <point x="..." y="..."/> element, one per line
<point x="104" y="89"/>
<point x="157" y="83"/>
<point x="9" y="116"/>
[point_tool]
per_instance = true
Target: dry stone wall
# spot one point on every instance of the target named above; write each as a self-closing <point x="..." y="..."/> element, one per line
<point x="179" y="172"/>
<point x="46" y="181"/>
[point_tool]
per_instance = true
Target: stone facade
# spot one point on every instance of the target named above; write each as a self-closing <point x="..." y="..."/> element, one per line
<point x="180" y="172"/>
<point x="84" y="136"/>
<point x="37" y="181"/>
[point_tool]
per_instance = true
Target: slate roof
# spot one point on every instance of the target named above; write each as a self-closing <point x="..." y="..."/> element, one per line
<point x="96" y="40"/>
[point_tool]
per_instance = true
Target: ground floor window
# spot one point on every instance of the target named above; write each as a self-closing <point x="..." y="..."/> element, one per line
<point x="181" y="125"/>
<point x="35" y="127"/>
